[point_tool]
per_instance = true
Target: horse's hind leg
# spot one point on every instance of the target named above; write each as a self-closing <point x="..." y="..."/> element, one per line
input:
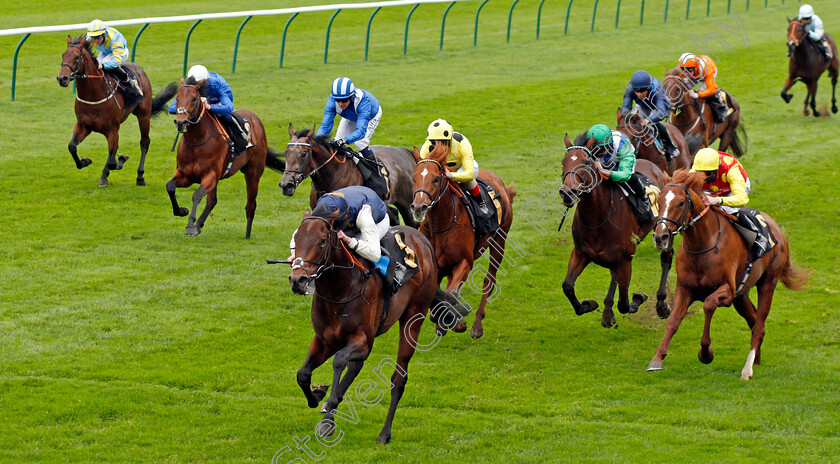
<point x="318" y="353"/>
<point x="608" y="317"/>
<point x="766" y="288"/>
<point x="622" y="275"/>
<point x="351" y="357"/>
<point x="577" y="263"/>
<point x="833" y="74"/>
<point x="144" y="122"/>
<point x="252" y="185"/>
<point x="79" y="134"/>
<point x="663" y="310"/>
<point x="113" y="137"/>
<point x="812" y="91"/>
<point x="400" y="377"/>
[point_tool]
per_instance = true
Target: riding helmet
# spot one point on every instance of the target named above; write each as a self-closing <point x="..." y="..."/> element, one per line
<point x="706" y="159"/>
<point x="343" y="88"/>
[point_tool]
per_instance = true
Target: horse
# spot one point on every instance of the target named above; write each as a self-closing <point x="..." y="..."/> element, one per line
<point x="444" y="220"/>
<point x="807" y="63"/>
<point x="204" y="158"/>
<point x="711" y="260"/>
<point x="348" y="312"/>
<point x="630" y="124"/>
<point x="605" y="231"/>
<point x="310" y="156"/>
<point x="100" y="108"/>
<point x="695" y="119"/>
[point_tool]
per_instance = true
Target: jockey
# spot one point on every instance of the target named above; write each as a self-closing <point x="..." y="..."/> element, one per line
<point x="362" y="221"/>
<point x="217" y="95"/>
<point x="360" y="113"/>
<point x="112" y="52"/>
<point x="814" y="27"/>
<point x="652" y="106"/>
<point x="460" y="158"/>
<point x="701" y="69"/>
<point x="614" y="148"/>
<point x="728" y="186"/>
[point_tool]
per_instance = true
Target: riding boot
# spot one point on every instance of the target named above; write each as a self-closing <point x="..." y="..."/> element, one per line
<point x="238" y="135"/>
<point x="719" y="108"/>
<point x="639" y="202"/>
<point x="671" y="150"/>
<point x="371" y="175"/>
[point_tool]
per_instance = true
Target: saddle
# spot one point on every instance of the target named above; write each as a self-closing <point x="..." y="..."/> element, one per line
<point x="233" y="137"/>
<point x="483" y="225"/>
<point x="645" y="202"/>
<point x="752" y="227"/>
<point x="375" y="174"/>
<point x="401" y="267"/>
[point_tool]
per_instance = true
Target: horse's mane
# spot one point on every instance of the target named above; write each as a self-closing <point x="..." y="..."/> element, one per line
<point x="581" y="139"/>
<point x="439" y="154"/>
<point x="691" y="179"/>
<point x="78" y="40"/>
<point x="337" y="220"/>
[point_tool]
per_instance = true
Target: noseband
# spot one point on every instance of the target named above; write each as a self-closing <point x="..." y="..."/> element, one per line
<point x="442" y="176"/>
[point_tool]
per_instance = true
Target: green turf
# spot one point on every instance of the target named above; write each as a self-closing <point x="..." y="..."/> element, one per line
<point x="122" y="340"/>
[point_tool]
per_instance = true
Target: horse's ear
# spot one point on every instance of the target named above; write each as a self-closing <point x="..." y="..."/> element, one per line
<point x="416" y="155"/>
<point x="590" y="143"/>
<point x="69" y="39"/>
<point x="291" y="130"/>
<point x="618" y="114"/>
<point x="567" y="141"/>
<point x="312" y="131"/>
<point x="306" y="214"/>
<point x="666" y="178"/>
<point x="182" y="81"/>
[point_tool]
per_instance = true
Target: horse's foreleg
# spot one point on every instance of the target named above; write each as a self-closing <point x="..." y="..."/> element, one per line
<point x="608" y="317"/>
<point x="663" y="310"/>
<point x="144" y="122"/>
<point x="192" y="228"/>
<point x="765" y="299"/>
<point x="178" y="181"/>
<point x="497" y="255"/>
<point x="812" y="92"/>
<point x="459" y="275"/>
<point x="788" y="84"/>
<point x="352" y="357"/>
<point x="400" y="377"/>
<point x="113" y="137"/>
<point x="577" y="263"/>
<point x="317" y="355"/>
<point x="721" y="296"/>
<point x="79" y="134"/>
<point x="682" y="299"/>
<point x="623" y="274"/>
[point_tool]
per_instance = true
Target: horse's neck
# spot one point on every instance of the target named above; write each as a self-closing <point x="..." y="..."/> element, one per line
<point x="445" y="211"/>
<point x="198" y="132"/>
<point x="704" y="233"/>
<point x="326" y="286"/>
<point x="93" y="88"/>
<point x="596" y="201"/>
<point x="328" y="175"/>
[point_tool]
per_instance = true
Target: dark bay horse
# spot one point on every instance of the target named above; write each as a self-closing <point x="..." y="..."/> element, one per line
<point x="101" y="108"/>
<point x="695" y="118"/>
<point x="807" y="63"/>
<point x="308" y="156"/>
<point x="711" y="260"/>
<point x="643" y="141"/>
<point x="204" y="155"/>
<point x="605" y="231"/>
<point x="443" y="218"/>
<point x="347" y="313"/>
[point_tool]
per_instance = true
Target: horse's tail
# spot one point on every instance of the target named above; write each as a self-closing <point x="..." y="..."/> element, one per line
<point x="793" y="276"/>
<point x="160" y="100"/>
<point x="274" y="162"/>
<point x="739" y="141"/>
<point x="511" y="191"/>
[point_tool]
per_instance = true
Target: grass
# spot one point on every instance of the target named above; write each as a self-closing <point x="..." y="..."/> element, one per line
<point x="122" y="340"/>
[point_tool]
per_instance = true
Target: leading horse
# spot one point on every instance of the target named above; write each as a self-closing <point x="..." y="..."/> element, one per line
<point x="310" y="156"/>
<point x="204" y="157"/>
<point x="605" y="231"/>
<point x="101" y="108"/>
<point x="348" y="312"/>
<point x="711" y="260"/>
<point x="695" y="118"/>
<point x="807" y="63"/>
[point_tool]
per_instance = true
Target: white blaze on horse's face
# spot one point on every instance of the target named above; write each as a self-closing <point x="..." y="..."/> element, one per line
<point x="573" y="158"/>
<point x="668" y="198"/>
<point x="425" y="171"/>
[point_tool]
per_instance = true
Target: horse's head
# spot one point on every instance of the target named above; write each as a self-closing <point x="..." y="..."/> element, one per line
<point x="298" y="159"/>
<point x="678" y="203"/>
<point x="676" y="86"/>
<point x="580" y="175"/>
<point x="76" y="61"/>
<point x="430" y="182"/>
<point x="795" y="33"/>
<point x="315" y="240"/>
<point x="190" y="107"/>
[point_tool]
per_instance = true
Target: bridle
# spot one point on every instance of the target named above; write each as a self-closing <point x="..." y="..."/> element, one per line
<point x="596" y="179"/>
<point x="684" y="222"/>
<point x="699" y="107"/>
<point x="441" y="177"/>
<point x="194" y="116"/>
<point x="792" y="38"/>
<point x="80" y="61"/>
<point x="300" y="176"/>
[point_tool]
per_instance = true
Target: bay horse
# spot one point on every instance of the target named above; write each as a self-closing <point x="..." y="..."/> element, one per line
<point x="630" y="124"/>
<point x="347" y="312"/>
<point x="310" y="156"/>
<point x="807" y="63"/>
<point x="101" y="108"/>
<point x="204" y="155"/>
<point x="605" y="231"/>
<point x="444" y="220"/>
<point x="711" y="261"/>
<point x="695" y="118"/>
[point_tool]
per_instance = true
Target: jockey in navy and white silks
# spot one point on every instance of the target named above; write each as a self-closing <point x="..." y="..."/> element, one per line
<point x="814" y="27"/>
<point x="360" y="113"/>
<point x="652" y="106"/>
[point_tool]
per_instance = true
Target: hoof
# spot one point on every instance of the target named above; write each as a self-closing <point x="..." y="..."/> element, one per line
<point x="103" y="182"/>
<point x="141" y="182"/>
<point x="746" y="374"/>
<point x="805" y="112"/>
<point x="325" y="428"/>
<point x="182" y="212"/>
<point x="383" y="439"/>
<point x="193" y="231"/>
<point x="834" y="109"/>
<point x="83" y="163"/>
<point x="655" y="366"/>
<point x="705" y="356"/>
<point x="787" y="97"/>
<point x="460" y="328"/>
<point x="120" y="161"/>
<point x="816" y="114"/>
<point x="477" y="332"/>
<point x="586" y="307"/>
<point x="608" y="320"/>
<point x="638" y="300"/>
<point x="663" y="309"/>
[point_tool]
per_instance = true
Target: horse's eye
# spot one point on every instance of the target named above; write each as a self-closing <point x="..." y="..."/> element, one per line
<point x="323" y="242"/>
<point x="682" y="203"/>
<point x="436" y="180"/>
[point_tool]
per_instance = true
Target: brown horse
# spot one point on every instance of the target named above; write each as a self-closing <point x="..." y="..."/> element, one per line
<point x="605" y="231"/>
<point x="807" y="63"/>
<point x="347" y="312"/>
<point x="443" y="218"/>
<point x="695" y="118"/>
<point x="204" y="158"/>
<point x="101" y="108"/>
<point x="643" y="142"/>
<point x="711" y="260"/>
<point x="310" y="156"/>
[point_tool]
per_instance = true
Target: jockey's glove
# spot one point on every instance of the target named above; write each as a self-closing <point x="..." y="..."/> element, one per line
<point x="340" y="142"/>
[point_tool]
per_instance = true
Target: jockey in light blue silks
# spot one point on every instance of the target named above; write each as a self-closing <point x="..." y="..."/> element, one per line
<point x="217" y="94"/>
<point x="111" y="53"/>
<point x="360" y="113"/>
<point x="652" y="107"/>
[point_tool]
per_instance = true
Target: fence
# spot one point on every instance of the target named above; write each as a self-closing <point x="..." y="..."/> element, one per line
<point x="294" y="12"/>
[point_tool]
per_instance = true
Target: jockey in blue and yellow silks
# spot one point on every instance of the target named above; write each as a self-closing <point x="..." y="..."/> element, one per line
<point x="112" y="53"/>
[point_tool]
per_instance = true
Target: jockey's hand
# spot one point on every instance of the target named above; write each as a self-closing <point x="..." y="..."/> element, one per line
<point x="449" y="174"/>
<point x="601" y="169"/>
<point x="340" y="142"/>
<point x="693" y="94"/>
<point x="344" y="237"/>
<point x="205" y="102"/>
<point x="710" y="201"/>
<point x="645" y="122"/>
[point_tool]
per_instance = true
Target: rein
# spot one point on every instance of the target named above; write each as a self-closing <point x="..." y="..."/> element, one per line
<point x="435" y="200"/>
<point x="74" y="73"/>
<point x="312" y="172"/>
<point x="597" y="181"/>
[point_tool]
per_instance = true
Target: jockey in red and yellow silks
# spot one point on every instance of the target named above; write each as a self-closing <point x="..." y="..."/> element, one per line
<point x="702" y="70"/>
<point x="730" y="185"/>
